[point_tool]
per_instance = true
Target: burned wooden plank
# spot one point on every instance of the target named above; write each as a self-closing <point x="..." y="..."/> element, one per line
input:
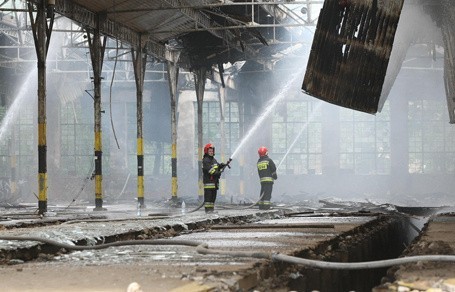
<point x="351" y="51"/>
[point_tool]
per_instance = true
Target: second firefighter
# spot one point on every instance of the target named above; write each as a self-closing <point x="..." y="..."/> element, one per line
<point x="267" y="174"/>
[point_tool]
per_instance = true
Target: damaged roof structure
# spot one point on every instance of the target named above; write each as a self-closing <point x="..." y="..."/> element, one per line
<point x="349" y="63"/>
<point x="353" y="43"/>
<point x="204" y="32"/>
<point x="350" y="66"/>
<point x="351" y="36"/>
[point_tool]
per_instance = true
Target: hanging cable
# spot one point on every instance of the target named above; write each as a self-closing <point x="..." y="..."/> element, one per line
<point x="112" y="81"/>
<point x="88" y="177"/>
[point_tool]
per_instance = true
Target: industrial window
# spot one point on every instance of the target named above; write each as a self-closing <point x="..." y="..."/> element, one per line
<point x="76" y="140"/>
<point x="296" y="137"/>
<point x="18" y="139"/>
<point x="5" y="162"/>
<point x="25" y="133"/>
<point x="431" y="138"/>
<point x="211" y="122"/>
<point x="365" y="141"/>
<point x="232" y="127"/>
<point x="211" y="126"/>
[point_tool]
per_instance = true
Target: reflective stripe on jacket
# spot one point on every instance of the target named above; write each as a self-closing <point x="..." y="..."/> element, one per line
<point x="210" y="172"/>
<point x="266" y="169"/>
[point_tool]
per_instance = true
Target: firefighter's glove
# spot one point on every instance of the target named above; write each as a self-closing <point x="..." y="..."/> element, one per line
<point x="274" y="176"/>
<point x="222" y="165"/>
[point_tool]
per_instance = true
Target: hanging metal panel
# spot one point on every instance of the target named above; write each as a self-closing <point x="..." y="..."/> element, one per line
<point x="351" y="51"/>
<point x="448" y="32"/>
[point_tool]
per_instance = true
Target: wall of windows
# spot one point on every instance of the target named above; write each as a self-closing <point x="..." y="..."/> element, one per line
<point x="232" y="127"/>
<point x="296" y="137"/>
<point x="211" y="125"/>
<point x="306" y="137"/>
<point x="210" y="122"/>
<point x="25" y="141"/>
<point x="5" y="162"/>
<point x="76" y="140"/>
<point x="431" y="138"/>
<point x="365" y="141"/>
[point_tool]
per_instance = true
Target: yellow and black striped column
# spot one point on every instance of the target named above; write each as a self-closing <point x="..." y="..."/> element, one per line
<point x="199" y="81"/>
<point x="41" y="34"/>
<point x="42" y="157"/>
<point x="173" y="72"/>
<point x="174" y="171"/>
<point x="140" y="172"/>
<point x="97" y="54"/>
<point x="98" y="165"/>
<point x="42" y="167"/>
<point x="139" y="62"/>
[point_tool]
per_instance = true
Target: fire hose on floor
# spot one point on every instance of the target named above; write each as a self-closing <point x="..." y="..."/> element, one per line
<point x="203" y="248"/>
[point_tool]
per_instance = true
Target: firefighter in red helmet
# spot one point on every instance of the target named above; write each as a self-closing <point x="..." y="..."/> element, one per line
<point x="211" y="171"/>
<point x="267" y="174"/>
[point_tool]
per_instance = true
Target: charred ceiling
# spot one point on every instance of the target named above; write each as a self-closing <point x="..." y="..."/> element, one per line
<point x="247" y="41"/>
<point x="205" y="32"/>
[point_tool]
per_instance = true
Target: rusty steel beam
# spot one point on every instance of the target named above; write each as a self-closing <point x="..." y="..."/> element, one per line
<point x="202" y="20"/>
<point x="351" y="51"/>
<point x="87" y="18"/>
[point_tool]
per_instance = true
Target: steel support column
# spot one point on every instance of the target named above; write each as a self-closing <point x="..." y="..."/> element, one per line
<point x="139" y="62"/>
<point x="222" y="100"/>
<point x="42" y="34"/>
<point x="173" y="72"/>
<point x="199" y="81"/>
<point x="97" y="54"/>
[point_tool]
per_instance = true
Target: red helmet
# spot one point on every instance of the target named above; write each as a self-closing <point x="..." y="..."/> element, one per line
<point x="207" y="147"/>
<point x="262" y="151"/>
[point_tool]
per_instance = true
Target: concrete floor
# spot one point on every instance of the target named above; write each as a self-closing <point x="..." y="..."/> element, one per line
<point x="166" y="267"/>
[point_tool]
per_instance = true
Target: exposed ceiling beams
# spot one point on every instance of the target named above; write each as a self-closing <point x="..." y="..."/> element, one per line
<point x="163" y="24"/>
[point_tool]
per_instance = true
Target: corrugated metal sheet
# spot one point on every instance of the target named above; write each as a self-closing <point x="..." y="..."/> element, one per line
<point x="144" y="15"/>
<point x="351" y="51"/>
<point x="448" y="32"/>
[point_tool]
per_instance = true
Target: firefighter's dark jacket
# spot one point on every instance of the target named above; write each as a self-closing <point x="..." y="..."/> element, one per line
<point x="211" y="171"/>
<point x="266" y="170"/>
